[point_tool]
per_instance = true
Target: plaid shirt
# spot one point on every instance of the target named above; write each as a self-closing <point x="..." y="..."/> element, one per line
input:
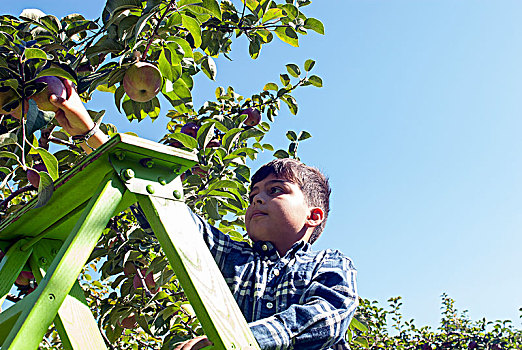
<point x="303" y="300"/>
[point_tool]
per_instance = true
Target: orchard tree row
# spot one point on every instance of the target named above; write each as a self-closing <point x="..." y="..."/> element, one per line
<point x="145" y="53"/>
<point x="375" y="327"/>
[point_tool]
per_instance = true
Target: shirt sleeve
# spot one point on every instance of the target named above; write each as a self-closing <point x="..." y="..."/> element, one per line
<point x="322" y="317"/>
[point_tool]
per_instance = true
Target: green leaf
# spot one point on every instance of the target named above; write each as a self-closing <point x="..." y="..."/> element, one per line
<point x="273" y="13"/>
<point x="270" y="86"/>
<point x="268" y="147"/>
<point x="205" y="134"/>
<point x="291" y="102"/>
<point x="291" y="135"/>
<point x="56" y="72"/>
<point x="208" y="66"/>
<point x="288" y="35"/>
<point x="113" y="6"/>
<point x="169" y="69"/>
<point x="211" y="208"/>
<point x="230" y="137"/>
<point x="291" y="11"/>
<point x="213" y="8"/>
<point x="45" y="189"/>
<point x="316" y="81"/>
<point x="33" y="52"/>
<point x="355" y="323"/>
<point x="8" y="138"/>
<point x="193" y="27"/>
<point x="309" y="64"/>
<point x="50" y="161"/>
<point x="186" y="140"/>
<point x="6" y="154"/>
<point x="293" y="70"/>
<point x="285" y="79"/>
<point x="281" y="154"/>
<point x="221" y="184"/>
<point x="36" y="119"/>
<point x="303" y="135"/>
<point x="314" y="24"/>
<point x="362" y="341"/>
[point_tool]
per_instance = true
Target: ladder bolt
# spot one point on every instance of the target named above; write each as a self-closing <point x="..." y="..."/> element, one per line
<point x="147" y="163"/>
<point x="51" y="297"/>
<point x="120" y="155"/>
<point x="43" y="261"/>
<point x="162" y="181"/>
<point x="127" y="174"/>
<point x="150" y="189"/>
<point x="177" y="194"/>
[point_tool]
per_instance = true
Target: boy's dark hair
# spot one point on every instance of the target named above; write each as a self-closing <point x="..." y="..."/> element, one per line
<point x="311" y="181"/>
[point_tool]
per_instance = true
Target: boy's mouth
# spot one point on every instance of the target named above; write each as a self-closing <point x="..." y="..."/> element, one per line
<point x="256" y="213"/>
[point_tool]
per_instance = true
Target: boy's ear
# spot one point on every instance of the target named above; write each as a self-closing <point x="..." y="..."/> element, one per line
<point x="316" y="217"/>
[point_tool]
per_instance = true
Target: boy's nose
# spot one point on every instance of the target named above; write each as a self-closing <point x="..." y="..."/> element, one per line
<point x="258" y="199"/>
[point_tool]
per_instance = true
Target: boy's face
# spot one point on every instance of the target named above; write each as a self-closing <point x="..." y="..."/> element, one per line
<point x="278" y="213"/>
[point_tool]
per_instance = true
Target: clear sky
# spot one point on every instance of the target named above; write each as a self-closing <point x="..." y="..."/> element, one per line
<point x="419" y="129"/>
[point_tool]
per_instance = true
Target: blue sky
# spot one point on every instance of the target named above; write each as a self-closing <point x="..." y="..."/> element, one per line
<point x="418" y="127"/>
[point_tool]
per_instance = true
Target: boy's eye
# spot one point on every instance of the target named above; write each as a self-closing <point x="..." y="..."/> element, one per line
<point x="276" y="190"/>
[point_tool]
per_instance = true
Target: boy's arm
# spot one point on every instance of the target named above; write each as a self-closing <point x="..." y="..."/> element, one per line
<point x="322" y="317"/>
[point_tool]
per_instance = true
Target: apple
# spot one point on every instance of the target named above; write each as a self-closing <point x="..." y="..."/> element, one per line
<point x="174" y="143"/>
<point x="253" y="116"/>
<point x="2" y="254"/>
<point x="190" y="129"/>
<point x="24" y="278"/>
<point x="149" y="281"/>
<point x="54" y="87"/>
<point x="196" y="170"/>
<point x="472" y="345"/>
<point x="129" y="322"/>
<point x="32" y="174"/>
<point x="129" y="269"/>
<point x="213" y="143"/>
<point x="142" y="81"/>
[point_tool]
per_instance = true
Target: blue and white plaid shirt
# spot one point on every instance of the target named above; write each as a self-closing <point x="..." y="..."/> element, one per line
<point x="303" y="300"/>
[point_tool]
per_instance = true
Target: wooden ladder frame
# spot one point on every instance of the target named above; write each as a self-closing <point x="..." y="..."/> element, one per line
<point x="57" y="239"/>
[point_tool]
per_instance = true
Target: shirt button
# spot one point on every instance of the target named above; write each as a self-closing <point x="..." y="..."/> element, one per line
<point x="264" y="247"/>
<point x="269" y="305"/>
<point x="276" y="272"/>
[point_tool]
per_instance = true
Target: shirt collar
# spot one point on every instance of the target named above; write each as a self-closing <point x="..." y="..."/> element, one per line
<point x="266" y="248"/>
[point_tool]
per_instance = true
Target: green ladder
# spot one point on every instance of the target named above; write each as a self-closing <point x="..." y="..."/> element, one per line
<point x="57" y="239"/>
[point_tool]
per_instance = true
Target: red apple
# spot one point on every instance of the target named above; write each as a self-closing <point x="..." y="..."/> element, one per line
<point x="253" y="116"/>
<point x="129" y="322"/>
<point x="190" y="129"/>
<point x="149" y="281"/>
<point x="2" y="254"/>
<point x="54" y="87"/>
<point x="142" y="81"/>
<point x="24" y="278"/>
<point x="32" y="174"/>
<point x="129" y="269"/>
<point x="214" y="143"/>
<point x="196" y="170"/>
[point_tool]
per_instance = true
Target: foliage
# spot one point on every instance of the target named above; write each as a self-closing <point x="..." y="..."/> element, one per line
<point x="372" y="328"/>
<point x="182" y="38"/>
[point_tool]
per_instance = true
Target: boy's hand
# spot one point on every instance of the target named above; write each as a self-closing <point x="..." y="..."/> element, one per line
<point x="74" y="118"/>
<point x="194" y="344"/>
<point x="72" y="115"/>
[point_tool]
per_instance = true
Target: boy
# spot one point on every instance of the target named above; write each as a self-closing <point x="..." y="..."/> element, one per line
<point x="292" y="297"/>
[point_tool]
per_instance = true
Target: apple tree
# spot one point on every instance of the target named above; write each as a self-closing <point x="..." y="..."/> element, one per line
<point x="132" y="289"/>
<point x="375" y="327"/>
